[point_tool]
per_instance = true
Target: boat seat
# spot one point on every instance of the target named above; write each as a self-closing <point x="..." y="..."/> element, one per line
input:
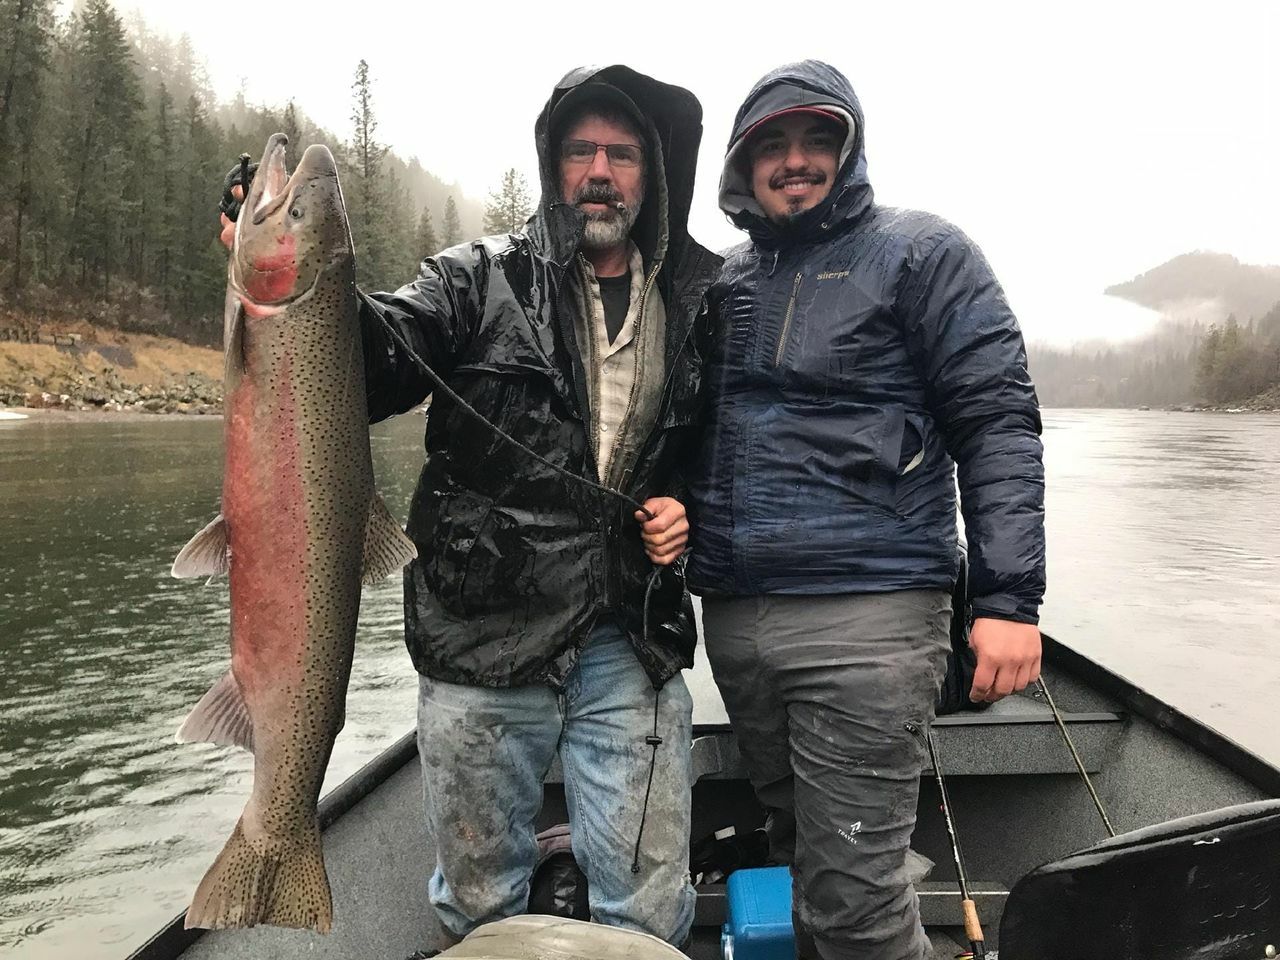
<point x="1018" y="735"/>
<point x="1205" y="886"/>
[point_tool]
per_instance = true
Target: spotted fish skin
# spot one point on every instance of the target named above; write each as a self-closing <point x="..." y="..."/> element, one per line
<point x="301" y="528"/>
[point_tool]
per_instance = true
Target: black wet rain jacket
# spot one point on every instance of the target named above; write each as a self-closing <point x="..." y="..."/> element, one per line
<point x="864" y="355"/>
<point x="516" y="563"/>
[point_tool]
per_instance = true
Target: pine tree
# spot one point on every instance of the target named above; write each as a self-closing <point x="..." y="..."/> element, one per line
<point x="509" y="207"/>
<point x="166" y="218"/>
<point x="26" y="28"/>
<point x="366" y="207"/>
<point x="292" y="129"/>
<point x="425" y="243"/>
<point x="1208" y="363"/>
<point x="99" y="137"/>
<point x="201" y="260"/>
<point x="452" y="225"/>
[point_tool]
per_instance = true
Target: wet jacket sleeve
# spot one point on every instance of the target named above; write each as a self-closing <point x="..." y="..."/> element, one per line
<point x="968" y="349"/>
<point x="433" y="315"/>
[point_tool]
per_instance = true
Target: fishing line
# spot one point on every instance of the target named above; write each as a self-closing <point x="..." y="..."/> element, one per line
<point x="1097" y="802"/>
<point x="448" y="392"/>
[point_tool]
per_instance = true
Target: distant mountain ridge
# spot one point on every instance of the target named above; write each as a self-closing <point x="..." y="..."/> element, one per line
<point x="1247" y="291"/>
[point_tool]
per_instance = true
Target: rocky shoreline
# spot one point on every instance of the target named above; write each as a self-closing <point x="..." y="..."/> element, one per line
<point x="194" y="395"/>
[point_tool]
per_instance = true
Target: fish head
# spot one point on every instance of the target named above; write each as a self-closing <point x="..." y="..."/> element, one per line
<point x="291" y="229"/>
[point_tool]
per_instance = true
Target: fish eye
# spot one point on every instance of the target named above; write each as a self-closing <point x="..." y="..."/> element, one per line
<point x="295" y="212"/>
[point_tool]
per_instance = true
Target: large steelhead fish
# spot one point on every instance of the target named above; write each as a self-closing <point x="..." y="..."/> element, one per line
<point x="300" y="529"/>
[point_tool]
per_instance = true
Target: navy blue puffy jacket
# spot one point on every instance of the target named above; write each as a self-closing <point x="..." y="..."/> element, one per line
<point x="862" y="355"/>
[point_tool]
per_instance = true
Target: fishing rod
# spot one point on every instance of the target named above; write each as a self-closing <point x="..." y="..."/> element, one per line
<point x="969" y="909"/>
<point x="1075" y="755"/>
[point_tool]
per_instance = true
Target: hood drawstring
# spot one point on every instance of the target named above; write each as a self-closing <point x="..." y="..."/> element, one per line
<point x="835" y="206"/>
<point x="653" y="740"/>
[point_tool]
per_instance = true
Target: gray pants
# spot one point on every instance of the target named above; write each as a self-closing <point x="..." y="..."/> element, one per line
<point x="830" y="697"/>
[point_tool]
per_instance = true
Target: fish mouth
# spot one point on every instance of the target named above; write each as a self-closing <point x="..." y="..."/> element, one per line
<point x="272" y="279"/>
<point x="268" y="190"/>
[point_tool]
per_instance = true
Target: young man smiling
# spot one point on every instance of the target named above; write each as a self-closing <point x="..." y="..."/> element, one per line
<point x="864" y="354"/>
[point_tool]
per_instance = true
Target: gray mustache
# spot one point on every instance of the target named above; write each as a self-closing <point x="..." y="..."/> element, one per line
<point x="597" y="193"/>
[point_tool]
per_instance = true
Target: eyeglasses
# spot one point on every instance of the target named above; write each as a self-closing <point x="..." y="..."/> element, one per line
<point x="584" y="151"/>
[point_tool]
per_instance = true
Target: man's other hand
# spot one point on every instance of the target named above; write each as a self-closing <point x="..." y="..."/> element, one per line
<point x="228" y="235"/>
<point x="1008" y="657"/>
<point x="666" y="535"/>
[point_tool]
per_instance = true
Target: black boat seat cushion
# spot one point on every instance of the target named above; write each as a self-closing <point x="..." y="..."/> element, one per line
<point x="1205" y="886"/>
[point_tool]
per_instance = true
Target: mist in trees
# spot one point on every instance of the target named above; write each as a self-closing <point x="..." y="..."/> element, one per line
<point x="425" y="243"/>
<point x="452" y="225"/>
<point x="509" y="206"/>
<point x="113" y="149"/>
<point x="1179" y="364"/>
<point x="1236" y="363"/>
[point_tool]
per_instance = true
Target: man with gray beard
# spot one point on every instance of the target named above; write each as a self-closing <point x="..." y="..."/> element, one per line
<point x="543" y="614"/>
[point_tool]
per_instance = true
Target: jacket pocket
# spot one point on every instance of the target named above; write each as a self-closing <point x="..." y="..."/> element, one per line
<point x="498" y="564"/>
<point x="819" y="461"/>
<point x="452" y="533"/>
<point x="911" y="451"/>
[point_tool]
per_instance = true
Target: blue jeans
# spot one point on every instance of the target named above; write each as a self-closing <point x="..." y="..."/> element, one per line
<point x="485" y="753"/>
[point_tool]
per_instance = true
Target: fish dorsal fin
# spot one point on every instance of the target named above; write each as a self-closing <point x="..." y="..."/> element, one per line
<point x="220" y="717"/>
<point x="386" y="548"/>
<point x="206" y="554"/>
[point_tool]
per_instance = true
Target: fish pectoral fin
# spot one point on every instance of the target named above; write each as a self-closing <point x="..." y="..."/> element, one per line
<point x="221" y="717"/>
<point x="207" y="554"/>
<point x="386" y="548"/>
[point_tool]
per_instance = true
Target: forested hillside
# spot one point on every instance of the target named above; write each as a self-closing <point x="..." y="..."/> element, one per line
<point x="1219" y="343"/>
<point x="1243" y="290"/>
<point x="113" y="149"/>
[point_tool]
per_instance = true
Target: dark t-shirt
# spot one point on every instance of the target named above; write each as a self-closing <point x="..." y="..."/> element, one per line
<point x="616" y="294"/>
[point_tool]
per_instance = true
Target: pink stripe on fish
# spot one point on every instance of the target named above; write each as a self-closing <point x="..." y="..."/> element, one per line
<point x="263" y="500"/>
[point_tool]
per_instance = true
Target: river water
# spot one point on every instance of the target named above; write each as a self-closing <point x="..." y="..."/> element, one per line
<point x="1164" y="564"/>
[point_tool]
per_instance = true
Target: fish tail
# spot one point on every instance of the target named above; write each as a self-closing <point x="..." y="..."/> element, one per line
<point x="284" y="885"/>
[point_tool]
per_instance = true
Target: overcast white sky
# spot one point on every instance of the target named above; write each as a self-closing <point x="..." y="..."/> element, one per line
<point x="1078" y="143"/>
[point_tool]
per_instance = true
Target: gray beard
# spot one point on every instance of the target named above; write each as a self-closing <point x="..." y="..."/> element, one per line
<point x="609" y="230"/>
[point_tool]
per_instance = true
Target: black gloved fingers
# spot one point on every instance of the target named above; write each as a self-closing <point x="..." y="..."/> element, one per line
<point x="229" y="204"/>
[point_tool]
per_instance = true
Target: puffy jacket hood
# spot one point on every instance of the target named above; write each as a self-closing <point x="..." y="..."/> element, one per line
<point x="672" y="130"/>
<point x="809" y="83"/>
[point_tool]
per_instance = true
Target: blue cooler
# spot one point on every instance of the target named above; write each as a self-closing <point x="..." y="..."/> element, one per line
<point x="758" y="920"/>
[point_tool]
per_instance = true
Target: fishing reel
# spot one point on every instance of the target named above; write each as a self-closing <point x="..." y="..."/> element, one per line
<point x="241" y="175"/>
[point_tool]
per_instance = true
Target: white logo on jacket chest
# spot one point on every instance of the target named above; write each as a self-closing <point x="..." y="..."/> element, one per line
<point x="834" y="275"/>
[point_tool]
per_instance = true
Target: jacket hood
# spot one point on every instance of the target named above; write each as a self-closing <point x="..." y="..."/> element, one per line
<point x="809" y="83"/>
<point x="672" y="121"/>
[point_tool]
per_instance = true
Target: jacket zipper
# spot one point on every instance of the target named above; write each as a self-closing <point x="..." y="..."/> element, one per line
<point x="593" y="371"/>
<point x="786" y="323"/>
<point x="664" y="397"/>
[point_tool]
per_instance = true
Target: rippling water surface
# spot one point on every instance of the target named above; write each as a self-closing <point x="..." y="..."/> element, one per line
<point x="1164" y="536"/>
